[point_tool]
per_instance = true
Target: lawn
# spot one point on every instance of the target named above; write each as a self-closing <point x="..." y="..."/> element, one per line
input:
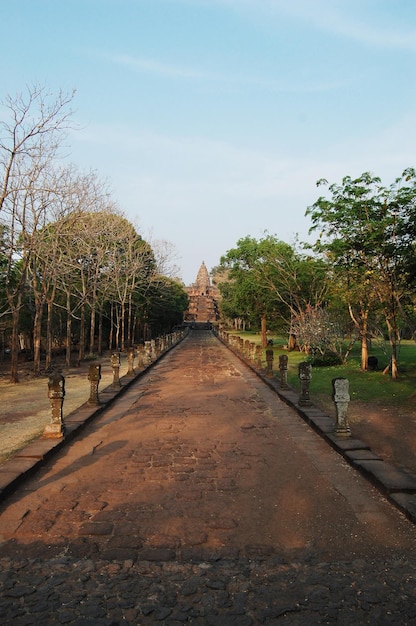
<point x="365" y="387"/>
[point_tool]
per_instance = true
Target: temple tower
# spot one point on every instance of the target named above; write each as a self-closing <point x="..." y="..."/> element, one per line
<point x="202" y="282"/>
<point x="203" y="299"/>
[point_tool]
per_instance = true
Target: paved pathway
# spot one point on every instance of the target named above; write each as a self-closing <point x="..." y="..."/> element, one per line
<point x="199" y="497"/>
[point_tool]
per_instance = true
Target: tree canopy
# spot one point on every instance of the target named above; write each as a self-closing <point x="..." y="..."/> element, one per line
<point x="367" y="231"/>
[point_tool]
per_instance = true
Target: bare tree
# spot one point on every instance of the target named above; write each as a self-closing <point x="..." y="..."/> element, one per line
<point x="30" y="137"/>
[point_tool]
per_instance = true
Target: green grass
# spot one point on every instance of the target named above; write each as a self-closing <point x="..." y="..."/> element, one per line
<point x="365" y="387"/>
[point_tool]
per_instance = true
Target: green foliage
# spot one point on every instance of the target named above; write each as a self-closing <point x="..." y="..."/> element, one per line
<point x="325" y="359"/>
<point x="270" y="278"/>
<point x="166" y="303"/>
<point x="368" y="232"/>
<point x="365" y="386"/>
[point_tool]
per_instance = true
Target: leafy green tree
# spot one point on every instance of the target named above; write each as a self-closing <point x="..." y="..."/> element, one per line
<point x="271" y="279"/>
<point x="368" y="233"/>
<point x="167" y="301"/>
<point x="242" y="294"/>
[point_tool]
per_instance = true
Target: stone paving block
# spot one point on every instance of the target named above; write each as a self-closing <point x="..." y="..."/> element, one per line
<point x="21" y="465"/>
<point x="96" y="528"/>
<point x="362" y="455"/>
<point x="157" y="554"/>
<point x="80" y="416"/>
<point x="387" y="476"/>
<point x="14" y="470"/>
<point x="325" y="424"/>
<point x="348" y="443"/>
<point x="36" y="449"/>
<point x="6" y="479"/>
<point x="406" y="502"/>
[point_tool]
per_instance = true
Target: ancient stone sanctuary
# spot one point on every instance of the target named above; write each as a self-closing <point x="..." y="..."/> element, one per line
<point x="203" y="300"/>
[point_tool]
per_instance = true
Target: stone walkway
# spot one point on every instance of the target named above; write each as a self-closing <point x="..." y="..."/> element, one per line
<point x="199" y="497"/>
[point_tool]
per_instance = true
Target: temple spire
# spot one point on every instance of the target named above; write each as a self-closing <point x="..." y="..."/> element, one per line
<point x="203" y="306"/>
<point x="203" y="282"/>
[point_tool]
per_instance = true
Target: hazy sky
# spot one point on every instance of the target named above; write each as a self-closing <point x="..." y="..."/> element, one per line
<point x="213" y="119"/>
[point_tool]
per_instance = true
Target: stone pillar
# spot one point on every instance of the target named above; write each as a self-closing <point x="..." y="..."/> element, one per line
<point x="94" y="376"/>
<point x="140" y="356"/>
<point x="305" y="375"/>
<point x="130" y="362"/>
<point x="283" y="367"/>
<point x="252" y="352"/>
<point x="259" y="351"/>
<point x="56" y="394"/>
<point x="341" y="398"/>
<point x="115" y="364"/>
<point x="148" y="352"/>
<point x="269" y="362"/>
<point x="247" y="348"/>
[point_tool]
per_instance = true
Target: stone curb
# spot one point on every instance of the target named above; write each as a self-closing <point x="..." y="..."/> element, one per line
<point x="36" y="453"/>
<point x="398" y="486"/>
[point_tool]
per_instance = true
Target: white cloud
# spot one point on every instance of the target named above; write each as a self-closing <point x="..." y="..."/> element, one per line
<point x="161" y="68"/>
<point x="359" y="20"/>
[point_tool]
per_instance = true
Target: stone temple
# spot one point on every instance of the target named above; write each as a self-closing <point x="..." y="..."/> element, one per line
<point x="203" y="299"/>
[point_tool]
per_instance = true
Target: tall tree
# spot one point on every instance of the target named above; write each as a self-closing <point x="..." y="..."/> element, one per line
<point x="368" y="232"/>
<point x="271" y="279"/>
<point x="30" y="136"/>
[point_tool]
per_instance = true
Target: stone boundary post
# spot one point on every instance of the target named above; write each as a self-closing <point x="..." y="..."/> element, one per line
<point x="341" y="398"/>
<point x="259" y="351"/>
<point x="94" y="376"/>
<point x="147" y="352"/>
<point x="269" y="362"/>
<point x="130" y="362"/>
<point x="56" y="394"/>
<point x="283" y="367"/>
<point x="115" y="364"/>
<point x="305" y="375"/>
<point x="140" y="356"/>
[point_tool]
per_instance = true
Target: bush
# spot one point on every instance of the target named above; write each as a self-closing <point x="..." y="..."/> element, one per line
<point x="324" y="360"/>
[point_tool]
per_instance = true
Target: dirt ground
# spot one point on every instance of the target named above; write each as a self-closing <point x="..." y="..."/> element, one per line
<point x="25" y="407"/>
<point x="390" y="433"/>
<point x="25" y="410"/>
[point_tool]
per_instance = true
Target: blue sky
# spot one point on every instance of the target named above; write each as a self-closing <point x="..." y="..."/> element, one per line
<point x="213" y="119"/>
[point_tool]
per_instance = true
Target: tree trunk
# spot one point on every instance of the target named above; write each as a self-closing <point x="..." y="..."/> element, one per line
<point x="100" y="333"/>
<point x="364" y="342"/>
<point x="117" y="334"/>
<point x="292" y="344"/>
<point x="92" y="330"/>
<point x="68" y="329"/>
<point x="130" y="323"/>
<point x="111" y="336"/>
<point x="393" y="347"/>
<point x="48" y="357"/>
<point x="14" y="375"/>
<point x="123" y="325"/>
<point x="81" y="350"/>
<point x="37" y="331"/>
<point x="263" y="331"/>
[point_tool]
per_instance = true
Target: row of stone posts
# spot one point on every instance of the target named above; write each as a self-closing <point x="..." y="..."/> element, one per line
<point x="146" y="353"/>
<point x="253" y="353"/>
